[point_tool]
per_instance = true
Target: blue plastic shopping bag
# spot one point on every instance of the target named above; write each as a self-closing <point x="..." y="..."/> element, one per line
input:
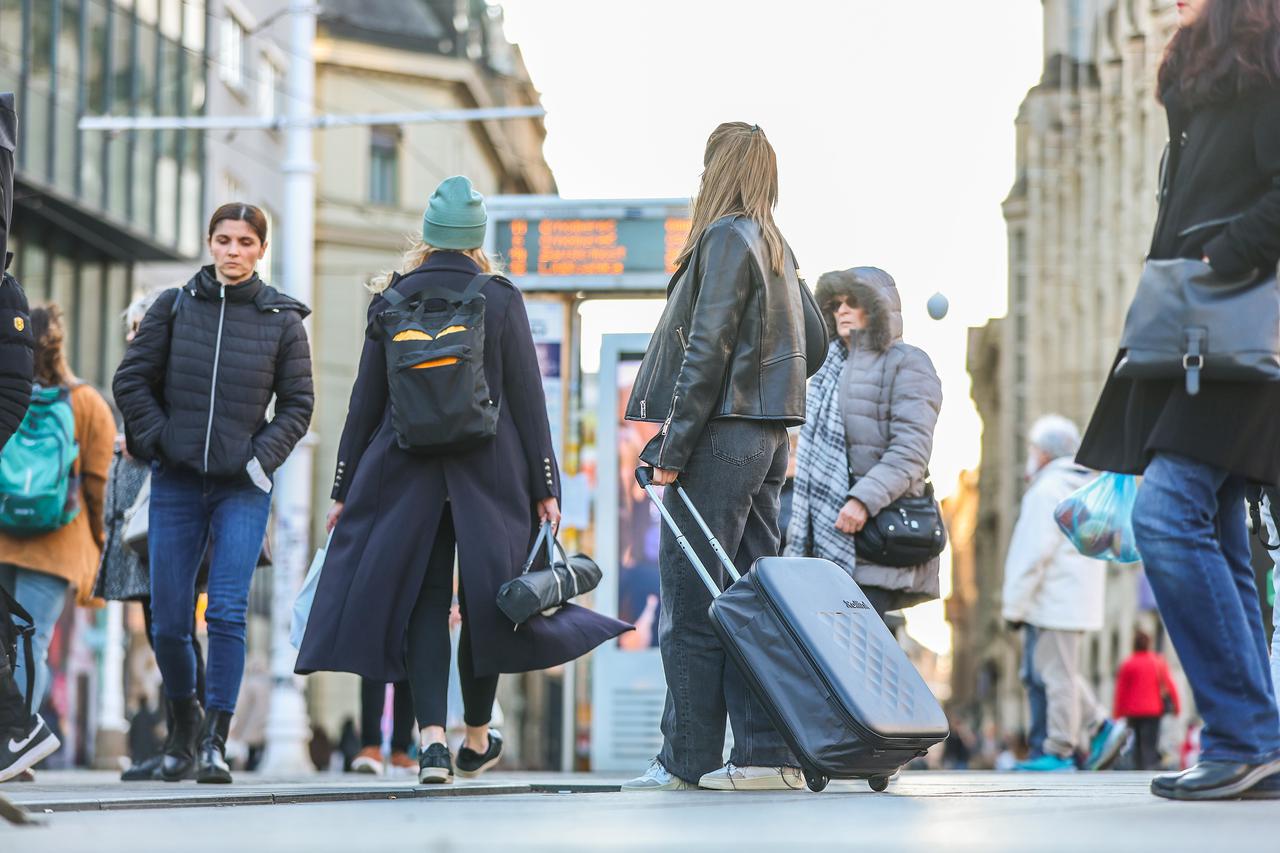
<point x="1098" y="518"/>
<point x="306" y="595"/>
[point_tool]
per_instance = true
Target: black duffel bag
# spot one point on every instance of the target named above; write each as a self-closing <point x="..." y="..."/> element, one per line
<point x="556" y="583"/>
<point x="908" y="532"/>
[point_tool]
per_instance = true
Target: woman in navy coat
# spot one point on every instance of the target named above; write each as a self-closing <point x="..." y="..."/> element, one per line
<point x="382" y="605"/>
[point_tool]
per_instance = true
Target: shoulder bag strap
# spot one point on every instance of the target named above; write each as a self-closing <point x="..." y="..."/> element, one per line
<point x="475" y="285"/>
<point x="397" y="298"/>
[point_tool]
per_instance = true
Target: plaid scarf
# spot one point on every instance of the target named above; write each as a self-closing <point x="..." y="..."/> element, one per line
<point x="822" y="470"/>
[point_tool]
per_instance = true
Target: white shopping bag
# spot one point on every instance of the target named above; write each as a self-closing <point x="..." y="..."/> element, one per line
<point x="306" y="595"/>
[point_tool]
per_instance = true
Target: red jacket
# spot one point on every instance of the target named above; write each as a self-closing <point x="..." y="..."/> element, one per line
<point x="1141" y="685"/>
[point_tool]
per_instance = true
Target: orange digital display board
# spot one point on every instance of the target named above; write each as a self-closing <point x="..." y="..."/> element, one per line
<point x="591" y="247"/>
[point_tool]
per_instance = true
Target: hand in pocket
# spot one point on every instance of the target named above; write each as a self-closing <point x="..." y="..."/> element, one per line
<point x="258" y="475"/>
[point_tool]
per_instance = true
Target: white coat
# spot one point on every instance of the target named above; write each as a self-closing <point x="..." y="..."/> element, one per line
<point x="1047" y="582"/>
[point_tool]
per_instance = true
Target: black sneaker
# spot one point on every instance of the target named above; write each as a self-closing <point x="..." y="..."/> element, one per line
<point x="472" y="763"/>
<point x="24" y="748"/>
<point x="435" y="766"/>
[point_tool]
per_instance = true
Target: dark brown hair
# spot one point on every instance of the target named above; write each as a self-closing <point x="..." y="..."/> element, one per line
<point x="1232" y="50"/>
<point x="1141" y="641"/>
<point x="238" y="212"/>
<point x="50" y="354"/>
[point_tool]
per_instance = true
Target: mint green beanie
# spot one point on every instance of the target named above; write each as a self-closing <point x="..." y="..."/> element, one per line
<point x="455" y="217"/>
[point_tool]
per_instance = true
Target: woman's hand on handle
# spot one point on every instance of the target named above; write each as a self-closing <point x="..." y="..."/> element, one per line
<point x="335" y="512"/>
<point x="549" y="510"/>
<point x="664" y="477"/>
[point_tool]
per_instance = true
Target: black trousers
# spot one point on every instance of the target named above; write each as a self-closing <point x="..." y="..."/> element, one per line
<point x="1146" y="742"/>
<point x="373" y="696"/>
<point x="430" y="650"/>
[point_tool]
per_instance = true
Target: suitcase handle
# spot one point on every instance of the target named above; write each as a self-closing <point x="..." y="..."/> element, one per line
<point x="644" y="476"/>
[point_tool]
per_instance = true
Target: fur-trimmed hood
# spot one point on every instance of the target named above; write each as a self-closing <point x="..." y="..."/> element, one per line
<point x="874" y="291"/>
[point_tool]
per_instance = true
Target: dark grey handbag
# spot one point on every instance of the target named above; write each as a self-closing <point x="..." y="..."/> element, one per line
<point x="546" y="589"/>
<point x="1188" y="322"/>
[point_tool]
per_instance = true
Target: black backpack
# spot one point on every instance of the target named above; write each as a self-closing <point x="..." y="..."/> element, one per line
<point x="434" y="339"/>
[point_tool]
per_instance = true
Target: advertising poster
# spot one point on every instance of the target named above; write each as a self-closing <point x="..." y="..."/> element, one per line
<point x="639" y="526"/>
<point x="546" y="319"/>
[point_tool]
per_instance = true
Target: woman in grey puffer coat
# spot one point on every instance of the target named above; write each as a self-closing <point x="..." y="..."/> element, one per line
<point x="872" y="411"/>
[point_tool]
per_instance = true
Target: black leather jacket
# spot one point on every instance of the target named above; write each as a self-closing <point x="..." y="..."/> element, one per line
<point x="736" y="341"/>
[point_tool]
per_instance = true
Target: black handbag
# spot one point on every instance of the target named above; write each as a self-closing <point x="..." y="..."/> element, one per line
<point x="546" y="589"/>
<point x="908" y="532"/>
<point x="1188" y="322"/>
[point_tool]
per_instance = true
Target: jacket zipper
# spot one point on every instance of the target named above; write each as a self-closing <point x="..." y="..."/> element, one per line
<point x="666" y="426"/>
<point x="680" y="334"/>
<point x="213" y="381"/>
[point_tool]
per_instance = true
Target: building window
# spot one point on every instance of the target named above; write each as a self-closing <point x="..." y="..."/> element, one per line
<point x="384" y="165"/>
<point x="269" y="105"/>
<point x="233" y="55"/>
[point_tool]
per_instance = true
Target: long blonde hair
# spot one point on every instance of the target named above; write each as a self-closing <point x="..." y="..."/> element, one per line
<point x="416" y="255"/>
<point x="739" y="176"/>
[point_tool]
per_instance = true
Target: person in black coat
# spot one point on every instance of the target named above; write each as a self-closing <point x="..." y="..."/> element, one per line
<point x="1220" y="204"/>
<point x="195" y="388"/>
<point x="398" y="518"/>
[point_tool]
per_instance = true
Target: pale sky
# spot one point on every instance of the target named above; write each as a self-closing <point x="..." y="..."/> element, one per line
<point x="893" y="122"/>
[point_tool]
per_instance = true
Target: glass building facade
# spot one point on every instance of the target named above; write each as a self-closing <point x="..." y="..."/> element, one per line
<point x="90" y="205"/>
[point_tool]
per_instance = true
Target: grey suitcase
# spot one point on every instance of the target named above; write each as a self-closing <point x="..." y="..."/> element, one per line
<point x="833" y="680"/>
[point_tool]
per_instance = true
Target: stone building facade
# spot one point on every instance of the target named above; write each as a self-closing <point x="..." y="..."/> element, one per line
<point x="1080" y="215"/>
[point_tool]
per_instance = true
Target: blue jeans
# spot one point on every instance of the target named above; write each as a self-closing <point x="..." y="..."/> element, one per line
<point x="189" y="513"/>
<point x="43" y="596"/>
<point x="1037" y="701"/>
<point x="1189" y="521"/>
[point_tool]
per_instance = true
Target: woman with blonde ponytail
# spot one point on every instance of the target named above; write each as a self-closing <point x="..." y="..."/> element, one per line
<point x="725" y="375"/>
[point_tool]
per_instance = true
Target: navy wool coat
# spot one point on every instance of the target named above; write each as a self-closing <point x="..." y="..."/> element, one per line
<point x="394" y="502"/>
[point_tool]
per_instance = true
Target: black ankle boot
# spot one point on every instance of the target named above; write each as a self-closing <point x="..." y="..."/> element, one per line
<point x="179" y="760"/>
<point x="212" y="767"/>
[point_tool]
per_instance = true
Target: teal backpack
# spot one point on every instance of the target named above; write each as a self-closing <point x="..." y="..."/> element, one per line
<point x="39" y="492"/>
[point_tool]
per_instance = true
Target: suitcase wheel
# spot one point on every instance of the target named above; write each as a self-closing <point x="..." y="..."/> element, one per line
<point x="816" y="781"/>
<point x="879" y="783"/>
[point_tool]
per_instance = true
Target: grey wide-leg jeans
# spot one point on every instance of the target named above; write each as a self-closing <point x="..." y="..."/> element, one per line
<point x="734" y="478"/>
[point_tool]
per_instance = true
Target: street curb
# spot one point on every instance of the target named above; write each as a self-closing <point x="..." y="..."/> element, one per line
<point x="574" y="788"/>
<point x="293" y="797"/>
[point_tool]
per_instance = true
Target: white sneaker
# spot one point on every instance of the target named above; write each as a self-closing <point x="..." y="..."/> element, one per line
<point x="657" y="778"/>
<point x="22" y="748"/>
<point x="734" y="778"/>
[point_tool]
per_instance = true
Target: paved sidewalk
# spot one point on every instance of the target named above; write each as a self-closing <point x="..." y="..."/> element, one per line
<point x="926" y="811"/>
<point x="77" y="791"/>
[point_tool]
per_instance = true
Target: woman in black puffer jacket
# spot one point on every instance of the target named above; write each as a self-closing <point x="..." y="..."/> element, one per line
<point x="194" y="387"/>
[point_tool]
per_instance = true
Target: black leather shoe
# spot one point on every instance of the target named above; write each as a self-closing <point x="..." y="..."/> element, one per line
<point x="1267" y="789"/>
<point x="211" y="766"/>
<point x="1213" y="780"/>
<point x="472" y="763"/>
<point x="179" y="760"/>
<point x="144" y="771"/>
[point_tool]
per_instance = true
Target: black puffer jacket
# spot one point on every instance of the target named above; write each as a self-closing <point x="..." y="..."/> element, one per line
<point x="195" y="384"/>
<point x="16" y="360"/>
<point x="736" y="340"/>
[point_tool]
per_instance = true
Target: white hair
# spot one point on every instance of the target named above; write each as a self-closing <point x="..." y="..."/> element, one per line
<point x="1056" y="436"/>
<point x="138" y="309"/>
